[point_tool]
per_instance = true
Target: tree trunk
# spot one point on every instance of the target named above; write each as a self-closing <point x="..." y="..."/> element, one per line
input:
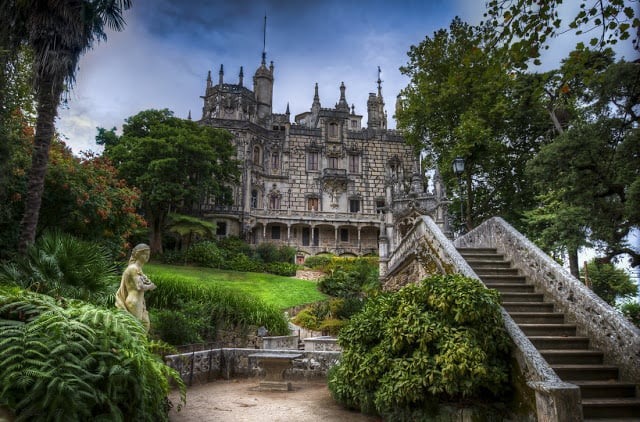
<point x="469" y="217"/>
<point x="155" y="235"/>
<point x="574" y="266"/>
<point x="48" y="98"/>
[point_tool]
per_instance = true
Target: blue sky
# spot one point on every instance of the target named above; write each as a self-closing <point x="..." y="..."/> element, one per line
<point x="162" y="57"/>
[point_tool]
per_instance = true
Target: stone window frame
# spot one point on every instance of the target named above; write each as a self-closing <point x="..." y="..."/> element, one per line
<point x="344" y="234"/>
<point x="355" y="202"/>
<point x="333" y="130"/>
<point x="333" y="162"/>
<point x="311" y="199"/>
<point x="276" y="232"/>
<point x="275" y="160"/>
<point x="221" y="228"/>
<point x="313" y="164"/>
<point x="257" y="153"/>
<point x="353" y="163"/>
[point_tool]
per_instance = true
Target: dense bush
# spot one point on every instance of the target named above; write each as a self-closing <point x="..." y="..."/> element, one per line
<point x="318" y="262"/>
<point x="205" y="254"/>
<point x="440" y="340"/>
<point x="220" y="307"/>
<point x="610" y="282"/>
<point x="350" y="277"/>
<point x="59" y="264"/>
<point x="328" y="316"/>
<point x="281" y="268"/>
<point x="69" y="360"/>
<point x="269" y="253"/>
<point x="188" y="323"/>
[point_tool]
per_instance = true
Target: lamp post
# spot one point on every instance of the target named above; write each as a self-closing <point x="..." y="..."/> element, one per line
<point x="458" y="169"/>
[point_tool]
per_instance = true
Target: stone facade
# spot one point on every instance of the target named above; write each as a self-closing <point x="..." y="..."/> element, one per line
<point x="319" y="183"/>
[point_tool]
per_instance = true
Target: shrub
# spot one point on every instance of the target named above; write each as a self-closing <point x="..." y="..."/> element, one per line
<point x="610" y="282"/>
<point x="281" y="268"/>
<point x="631" y="310"/>
<point x="59" y="264"/>
<point x="71" y="360"/>
<point x="318" y="262"/>
<point x="205" y="254"/>
<point x="232" y="246"/>
<point x="350" y="277"/>
<point x="242" y="262"/>
<point x="440" y="340"/>
<point x="188" y="324"/>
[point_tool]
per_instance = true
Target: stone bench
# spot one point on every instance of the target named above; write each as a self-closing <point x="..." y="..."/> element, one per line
<point x="274" y="365"/>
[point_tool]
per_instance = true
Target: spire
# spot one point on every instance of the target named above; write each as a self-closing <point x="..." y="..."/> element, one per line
<point x="379" y="83"/>
<point x="288" y="113"/>
<point x="353" y="109"/>
<point x="209" y="80"/>
<point x="241" y="76"/>
<point x="189" y="116"/>
<point x="264" y="41"/>
<point x="342" y="104"/>
<point x="316" y="97"/>
<point x="221" y="75"/>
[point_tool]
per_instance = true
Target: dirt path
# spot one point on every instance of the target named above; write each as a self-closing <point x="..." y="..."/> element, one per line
<point x="238" y="400"/>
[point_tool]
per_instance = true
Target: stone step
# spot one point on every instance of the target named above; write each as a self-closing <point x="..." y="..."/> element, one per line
<point x="538" y="317"/>
<point x="487" y="263"/>
<point x="563" y="357"/>
<point x="476" y="256"/>
<point x="522" y="297"/>
<point x="548" y="329"/>
<point x="554" y="342"/>
<point x="500" y="278"/>
<point x="494" y="271"/>
<point x="586" y="372"/>
<point x="487" y="251"/>
<point x="528" y="307"/>
<point x="606" y="389"/>
<point x="511" y="287"/>
<point x="606" y="409"/>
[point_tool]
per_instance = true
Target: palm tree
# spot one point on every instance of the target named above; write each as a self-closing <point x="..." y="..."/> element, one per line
<point x="186" y="227"/>
<point x="58" y="32"/>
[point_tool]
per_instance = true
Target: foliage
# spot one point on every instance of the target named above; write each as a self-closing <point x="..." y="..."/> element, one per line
<point x="177" y="164"/>
<point x="318" y="262"/>
<point x="61" y="265"/>
<point x="463" y="102"/>
<point x="590" y="169"/>
<point x="223" y="306"/>
<point x="609" y="282"/>
<point x="71" y="360"/>
<point x="327" y="316"/>
<point x="187" y="324"/>
<point x="631" y="310"/>
<point x="350" y="277"/>
<point x="281" y="268"/>
<point x="440" y="340"/>
<point x="233" y="245"/>
<point x="186" y="227"/>
<point x="269" y="253"/>
<point x="529" y="26"/>
<point x="205" y="254"/>
<point x="57" y="33"/>
<point x="277" y="291"/>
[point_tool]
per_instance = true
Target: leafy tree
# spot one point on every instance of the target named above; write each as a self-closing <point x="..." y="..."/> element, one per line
<point x="529" y="25"/>
<point x="609" y="282"/>
<point x="438" y="341"/>
<point x="58" y="33"/>
<point x="69" y="360"/>
<point x="462" y="101"/>
<point x="591" y="168"/>
<point x="177" y="165"/>
<point x="185" y="227"/>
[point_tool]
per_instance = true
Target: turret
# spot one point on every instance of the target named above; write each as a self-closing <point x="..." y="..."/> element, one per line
<point x="342" y="104"/>
<point x="263" y="89"/>
<point x="377" y="118"/>
<point x="221" y="75"/>
<point x="241" y="77"/>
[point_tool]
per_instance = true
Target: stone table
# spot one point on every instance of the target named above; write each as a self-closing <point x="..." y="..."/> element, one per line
<point x="274" y="365"/>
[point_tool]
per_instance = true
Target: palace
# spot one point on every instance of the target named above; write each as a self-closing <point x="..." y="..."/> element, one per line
<point x="322" y="182"/>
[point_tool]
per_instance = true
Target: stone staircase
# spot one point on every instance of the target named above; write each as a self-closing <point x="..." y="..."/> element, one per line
<point x="604" y="396"/>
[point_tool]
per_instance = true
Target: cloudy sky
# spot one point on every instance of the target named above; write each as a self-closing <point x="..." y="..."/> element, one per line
<point x="162" y="57"/>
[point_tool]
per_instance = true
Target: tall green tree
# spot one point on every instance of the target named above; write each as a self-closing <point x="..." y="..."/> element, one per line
<point x="177" y="164"/>
<point x="609" y="282"/>
<point x="528" y="26"/>
<point x="58" y="32"/>
<point x="463" y="101"/>
<point x="593" y="165"/>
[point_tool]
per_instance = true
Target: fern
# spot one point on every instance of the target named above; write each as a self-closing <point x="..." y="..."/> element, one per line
<point x="69" y="360"/>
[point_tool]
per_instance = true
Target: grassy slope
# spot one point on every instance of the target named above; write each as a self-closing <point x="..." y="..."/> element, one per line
<point x="282" y="292"/>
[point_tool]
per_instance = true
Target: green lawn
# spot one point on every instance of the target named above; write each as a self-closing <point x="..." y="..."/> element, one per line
<point x="283" y="292"/>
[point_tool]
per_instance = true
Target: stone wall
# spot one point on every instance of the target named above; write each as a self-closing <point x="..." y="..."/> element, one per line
<point x="608" y="330"/>
<point x="207" y="365"/>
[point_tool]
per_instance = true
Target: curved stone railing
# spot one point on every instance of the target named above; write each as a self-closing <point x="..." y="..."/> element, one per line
<point x="556" y="400"/>
<point x="607" y="329"/>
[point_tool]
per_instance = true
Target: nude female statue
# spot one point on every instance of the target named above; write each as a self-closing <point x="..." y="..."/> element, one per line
<point x="130" y="295"/>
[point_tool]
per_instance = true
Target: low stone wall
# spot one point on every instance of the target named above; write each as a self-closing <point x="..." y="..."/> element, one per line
<point x="607" y="329"/>
<point x="207" y="365"/>
<point x="280" y="342"/>
<point x="321" y="344"/>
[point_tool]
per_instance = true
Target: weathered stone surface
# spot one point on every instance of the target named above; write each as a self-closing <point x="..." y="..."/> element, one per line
<point x="280" y="342"/>
<point x="607" y="329"/>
